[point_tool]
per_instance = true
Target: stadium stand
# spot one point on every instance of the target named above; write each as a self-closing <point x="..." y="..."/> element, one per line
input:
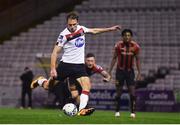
<point x="156" y="25"/>
<point x="6" y="4"/>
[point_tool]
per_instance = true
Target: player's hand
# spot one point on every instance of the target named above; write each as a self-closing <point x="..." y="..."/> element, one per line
<point x="106" y="79"/>
<point x="116" y="27"/>
<point x="53" y="73"/>
<point x="138" y="78"/>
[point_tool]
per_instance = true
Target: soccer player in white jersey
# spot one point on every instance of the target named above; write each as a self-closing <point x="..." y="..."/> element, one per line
<point x="72" y="41"/>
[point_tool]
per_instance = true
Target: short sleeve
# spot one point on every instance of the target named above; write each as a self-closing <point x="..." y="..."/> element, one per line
<point x="86" y="30"/>
<point x="61" y="40"/>
<point x="98" y="69"/>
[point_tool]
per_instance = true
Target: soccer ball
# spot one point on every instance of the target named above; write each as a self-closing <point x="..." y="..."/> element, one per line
<point x="70" y="109"/>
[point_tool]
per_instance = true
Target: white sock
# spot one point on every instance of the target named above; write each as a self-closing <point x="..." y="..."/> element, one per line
<point x="83" y="100"/>
<point x="41" y="81"/>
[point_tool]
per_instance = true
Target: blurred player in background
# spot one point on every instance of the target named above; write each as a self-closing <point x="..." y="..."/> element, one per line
<point x="72" y="41"/>
<point x="124" y="53"/>
<point x="26" y="79"/>
<point x="91" y="69"/>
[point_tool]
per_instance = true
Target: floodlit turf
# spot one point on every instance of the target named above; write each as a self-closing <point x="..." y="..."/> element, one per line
<point x="49" y="116"/>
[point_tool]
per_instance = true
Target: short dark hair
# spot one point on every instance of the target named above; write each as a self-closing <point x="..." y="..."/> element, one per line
<point x="26" y="68"/>
<point x="125" y="31"/>
<point x="72" y="15"/>
<point x="90" y="55"/>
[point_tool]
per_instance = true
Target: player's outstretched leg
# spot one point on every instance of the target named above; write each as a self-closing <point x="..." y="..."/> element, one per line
<point x="36" y="82"/>
<point x="84" y="97"/>
<point x="83" y="109"/>
<point x="43" y="82"/>
<point x="86" y="111"/>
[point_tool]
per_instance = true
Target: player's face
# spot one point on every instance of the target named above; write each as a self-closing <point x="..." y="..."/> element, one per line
<point x="90" y="62"/>
<point x="72" y="25"/>
<point x="127" y="37"/>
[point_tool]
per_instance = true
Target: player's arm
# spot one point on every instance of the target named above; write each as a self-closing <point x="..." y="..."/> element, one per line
<point x="113" y="61"/>
<point x="138" y="65"/>
<point x="102" y="30"/>
<point x="54" y="55"/>
<point x="106" y="76"/>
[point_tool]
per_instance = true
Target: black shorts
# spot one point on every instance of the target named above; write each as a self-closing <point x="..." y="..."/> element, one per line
<point x="75" y="71"/>
<point x="123" y="76"/>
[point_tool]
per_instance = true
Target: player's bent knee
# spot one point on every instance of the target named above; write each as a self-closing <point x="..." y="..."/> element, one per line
<point x="85" y="83"/>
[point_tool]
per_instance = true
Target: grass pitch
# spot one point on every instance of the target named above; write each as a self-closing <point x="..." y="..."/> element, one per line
<point x="52" y="116"/>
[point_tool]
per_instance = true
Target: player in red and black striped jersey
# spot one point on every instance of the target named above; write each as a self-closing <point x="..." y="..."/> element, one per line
<point x="125" y="51"/>
<point x="91" y="69"/>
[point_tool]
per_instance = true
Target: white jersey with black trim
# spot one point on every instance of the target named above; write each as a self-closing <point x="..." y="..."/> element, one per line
<point x="73" y="45"/>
